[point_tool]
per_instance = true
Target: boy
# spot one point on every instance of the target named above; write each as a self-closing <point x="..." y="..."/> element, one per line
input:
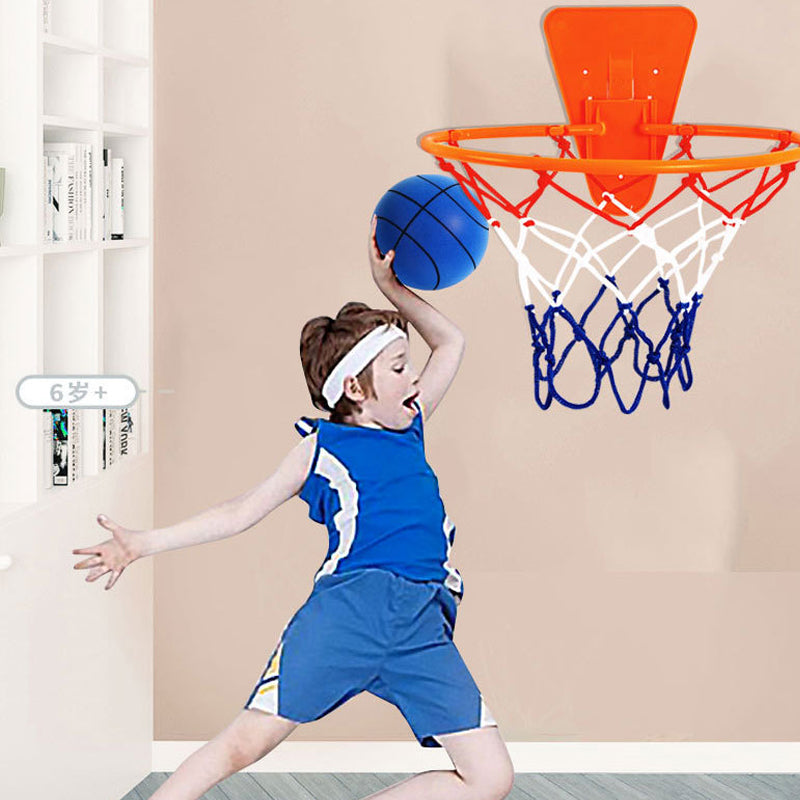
<point x="381" y="614"/>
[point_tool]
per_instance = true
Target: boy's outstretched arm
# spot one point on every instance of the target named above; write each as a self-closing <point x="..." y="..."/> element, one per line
<point x="440" y="334"/>
<point x="218" y="522"/>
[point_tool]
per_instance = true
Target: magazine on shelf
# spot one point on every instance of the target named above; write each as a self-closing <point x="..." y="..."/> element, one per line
<point x="60" y="462"/>
<point x="129" y="432"/>
<point x="61" y="159"/>
<point x="69" y="196"/>
<point x="48" y="194"/>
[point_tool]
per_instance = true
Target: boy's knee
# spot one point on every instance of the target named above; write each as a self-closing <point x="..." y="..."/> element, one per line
<point x="254" y="734"/>
<point x="494" y="780"/>
<point x="498" y="780"/>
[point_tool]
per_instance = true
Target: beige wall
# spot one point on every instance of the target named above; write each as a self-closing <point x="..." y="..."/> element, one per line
<point x="627" y="577"/>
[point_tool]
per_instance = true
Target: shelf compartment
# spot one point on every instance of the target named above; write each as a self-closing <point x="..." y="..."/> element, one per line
<point x="126" y="95"/>
<point x="72" y="313"/>
<point x="137" y="156"/>
<point x="76" y="20"/>
<point x="126" y="27"/>
<point x="71" y="84"/>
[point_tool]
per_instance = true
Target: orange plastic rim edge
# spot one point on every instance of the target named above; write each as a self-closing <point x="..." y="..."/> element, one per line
<point x="444" y="144"/>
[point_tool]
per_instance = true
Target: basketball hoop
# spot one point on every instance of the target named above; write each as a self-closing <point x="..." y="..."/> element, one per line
<point x="620" y="75"/>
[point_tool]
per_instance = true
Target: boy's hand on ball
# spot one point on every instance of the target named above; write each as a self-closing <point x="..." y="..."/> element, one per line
<point x="112" y="555"/>
<point x="381" y="265"/>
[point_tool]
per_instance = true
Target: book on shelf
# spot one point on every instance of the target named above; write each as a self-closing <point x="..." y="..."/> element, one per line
<point x="48" y="205"/>
<point x="69" y="170"/>
<point x="117" y="200"/>
<point x="128" y="433"/>
<point x="59" y="434"/>
<point x="61" y="430"/>
<point x="75" y="451"/>
<point x="111" y="439"/>
<point x="120" y="434"/>
<point x="113" y="197"/>
<point x="47" y="451"/>
<point x="106" y="194"/>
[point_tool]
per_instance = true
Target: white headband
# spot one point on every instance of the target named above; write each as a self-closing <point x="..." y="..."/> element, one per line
<point x="354" y="361"/>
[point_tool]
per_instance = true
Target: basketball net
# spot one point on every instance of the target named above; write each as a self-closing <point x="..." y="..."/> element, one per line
<point x="670" y="277"/>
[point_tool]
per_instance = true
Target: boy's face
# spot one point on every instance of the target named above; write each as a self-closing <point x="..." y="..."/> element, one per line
<point x="394" y="384"/>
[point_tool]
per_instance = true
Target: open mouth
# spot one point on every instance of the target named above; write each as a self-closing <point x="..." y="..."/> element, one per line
<point x="408" y="402"/>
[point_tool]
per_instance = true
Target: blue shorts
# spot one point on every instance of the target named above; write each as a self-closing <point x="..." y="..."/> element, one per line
<point x="371" y="630"/>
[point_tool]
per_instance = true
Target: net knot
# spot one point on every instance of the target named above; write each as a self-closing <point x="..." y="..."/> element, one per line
<point x="446" y="166"/>
<point x="733" y="222"/>
<point x="645" y="235"/>
<point x="685" y="144"/>
<point x="563" y="144"/>
<point x="654" y="357"/>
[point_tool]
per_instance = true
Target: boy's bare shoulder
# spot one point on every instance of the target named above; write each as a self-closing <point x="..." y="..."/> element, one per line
<point x="285" y="482"/>
<point x="302" y="454"/>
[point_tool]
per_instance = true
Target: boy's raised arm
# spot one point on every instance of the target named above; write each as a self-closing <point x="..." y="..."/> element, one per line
<point x="218" y="522"/>
<point x="440" y="334"/>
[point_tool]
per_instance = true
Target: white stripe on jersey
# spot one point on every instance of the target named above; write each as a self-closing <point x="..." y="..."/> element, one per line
<point x="486" y="715"/>
<point x="330" y="468"/>
<point x="453" y="580"/>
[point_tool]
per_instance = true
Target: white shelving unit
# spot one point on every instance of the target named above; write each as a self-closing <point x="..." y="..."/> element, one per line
<point x="77" y="663"/>
<point x="74" y="307"/>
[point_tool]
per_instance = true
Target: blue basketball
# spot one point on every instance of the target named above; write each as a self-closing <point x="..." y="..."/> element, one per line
<point x="437" y="234"/>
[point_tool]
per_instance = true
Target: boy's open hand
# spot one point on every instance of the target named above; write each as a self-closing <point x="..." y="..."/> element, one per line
<point x="381" y="265"/>
<point x="112" y="555"/>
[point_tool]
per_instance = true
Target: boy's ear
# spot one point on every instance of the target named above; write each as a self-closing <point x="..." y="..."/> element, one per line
<point x="353" y="390"/>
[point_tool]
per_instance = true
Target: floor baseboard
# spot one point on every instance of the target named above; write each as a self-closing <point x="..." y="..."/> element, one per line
<point x="607" y="757"/>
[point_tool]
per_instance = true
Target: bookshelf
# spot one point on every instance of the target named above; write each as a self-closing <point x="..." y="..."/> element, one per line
<point x="73" y="307"/>
<point x="80" y="665"/>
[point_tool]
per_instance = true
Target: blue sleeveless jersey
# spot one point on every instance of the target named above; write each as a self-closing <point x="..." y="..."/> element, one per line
<point x="379" y="499"/>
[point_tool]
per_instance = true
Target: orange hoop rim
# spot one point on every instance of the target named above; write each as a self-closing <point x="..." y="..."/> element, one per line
<point x="445" y="144"/>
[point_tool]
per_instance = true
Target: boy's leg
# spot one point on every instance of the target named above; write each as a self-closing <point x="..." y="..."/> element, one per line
<point x="250" y="736"/>
<point x="483" y="771"/>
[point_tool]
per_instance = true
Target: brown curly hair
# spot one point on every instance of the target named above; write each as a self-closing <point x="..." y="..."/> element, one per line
<point x="325" y="341"/>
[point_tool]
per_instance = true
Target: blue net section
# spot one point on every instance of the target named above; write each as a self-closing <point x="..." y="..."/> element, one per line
<point x="654" y="359"/>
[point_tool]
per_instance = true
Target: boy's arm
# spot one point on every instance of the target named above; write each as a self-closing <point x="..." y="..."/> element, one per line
<point x="238" y="514"/>
<point x="440" y="334"/>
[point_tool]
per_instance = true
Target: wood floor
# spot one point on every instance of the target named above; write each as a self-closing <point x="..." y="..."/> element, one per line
<point x="527" y="786"/>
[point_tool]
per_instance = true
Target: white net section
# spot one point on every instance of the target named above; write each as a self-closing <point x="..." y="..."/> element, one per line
<point x="690" y="263"/>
